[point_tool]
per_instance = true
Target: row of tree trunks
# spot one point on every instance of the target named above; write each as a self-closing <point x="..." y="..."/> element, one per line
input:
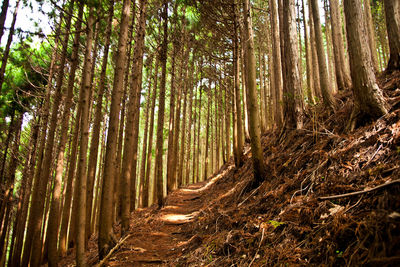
<point x="32" y="244"/>
<point x="150" y="92"/>
<point x="98" y="113"/>
<point x="158" y="175"/>
<point x="106" y="237"/>
<point x="128" y="177"/>
<point x="54" y="216"/>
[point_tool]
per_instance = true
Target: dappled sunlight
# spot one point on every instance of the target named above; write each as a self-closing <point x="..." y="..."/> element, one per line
<point x="210" y="182"/>
<point x="178" y="218"/>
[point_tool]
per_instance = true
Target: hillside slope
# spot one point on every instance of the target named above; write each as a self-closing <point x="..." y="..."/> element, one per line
<point x="285" y="221"/>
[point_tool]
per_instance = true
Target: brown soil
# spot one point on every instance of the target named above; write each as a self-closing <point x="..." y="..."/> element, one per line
<point x="283" y="222"/>
<point x="161" y="235"/>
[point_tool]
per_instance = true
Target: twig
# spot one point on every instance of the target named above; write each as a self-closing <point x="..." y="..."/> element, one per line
<point x="259" y="245"/>
<point x="328" y="132"/>
<point x="358" y="202"/>
<point x="113" y="249"/>
<point x="359" y="192"/>
<point x="252" y="193"/>
<point x="373" y="156"/>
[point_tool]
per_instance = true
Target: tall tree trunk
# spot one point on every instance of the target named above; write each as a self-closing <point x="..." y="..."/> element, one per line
<point x="68" y="183"/>
<point x="146" y="186"/>
<point x="371" y="33"/>
<point x="190" y="123"/>
<point x="277" y="66"/>
<point x="196" y="178"/>
<point x="328" y="36"/>
<point x="236" y="71"/>
<point x="128" y="178"/>
<point x="206" y="154"/>
<point x="39" y="186"/>
<point x="142" y="173"/>
<point x="341" y="64"/>
<point x="242" y="59"/>
<point x="23" y="188"/>
<point x="54" y="216"/>
<point x="194" y="153"/>
<point x="106" y="235"/>
<point x="294" y="101"/>
<point x="98" y="116"/>
<point x="368" y="98"/>
<point x="171" y="181"/>
<point x="259" y="167"/>
<point x="263" y="96"/>
<point x="326" y="90"/>
<point x="228" y="113"/>
<point x="392" y="15"/>
<point x="314" y="56"/>
<point x="310" y="89"/>
<point x="217" y="125"/>
<point x="161" y="109"/>
<point x="27" y="178"/>
<point x="7" y="203"/>
<point x="186" y="84"/>
<point x="81" y="175"/>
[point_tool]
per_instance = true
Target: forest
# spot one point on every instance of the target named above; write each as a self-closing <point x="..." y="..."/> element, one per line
<point x="200" y="133"/>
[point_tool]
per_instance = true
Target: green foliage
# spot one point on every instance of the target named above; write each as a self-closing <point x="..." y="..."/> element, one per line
<point x="24" y="78"/>
<point x="275" y="224"/>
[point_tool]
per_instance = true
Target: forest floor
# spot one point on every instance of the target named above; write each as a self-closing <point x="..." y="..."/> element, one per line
<point x="286" y="221"/>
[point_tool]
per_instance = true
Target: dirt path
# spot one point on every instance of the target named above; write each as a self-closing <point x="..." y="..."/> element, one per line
<point x="162" y="235"/>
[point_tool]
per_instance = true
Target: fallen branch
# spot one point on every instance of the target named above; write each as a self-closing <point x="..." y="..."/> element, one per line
<point x="104" y="260"/>
<point x="360" y="192"/>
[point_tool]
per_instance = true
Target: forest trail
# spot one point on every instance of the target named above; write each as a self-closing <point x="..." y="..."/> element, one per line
<point x="158" y="236"/>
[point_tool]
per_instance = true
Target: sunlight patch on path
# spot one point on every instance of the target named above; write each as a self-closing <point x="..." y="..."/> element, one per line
<point x="178" y="218"/>
<point x="209" y="183"/>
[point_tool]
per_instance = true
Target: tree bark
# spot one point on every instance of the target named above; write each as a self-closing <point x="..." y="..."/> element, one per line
<point x="106" y="235"/>
<point x="146" y="187"/>
<point x="98" y="116"/>
<point x="27" y="178"/>
<point x="368" y="98"/>
<point x="81" y="183"/>
<point x="68" y="182"/>
<point x="341" y="64"/>
<point x="161" y="109"/>
<point x="190" y="123"/>
<point x="186" y="84"/>
<point x="171" y="181"/>
<point x="54" y="216"/>
<point x="294" y="99"/>
<point x="371" y="33"/>
<point x="236" y="71"/>
<point x="259" y="167"/>
<point x="142" y="173"/>
<point x="128" y="178"/>
<point x="206" y="154"/>
<point x="326" y="90"/>
<point x="314" y="57"/>
<point x="392" y="15"/>
<point x="39" y="185"/>
<point x="277" y="45"/>
<point x="310" y="89"/>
